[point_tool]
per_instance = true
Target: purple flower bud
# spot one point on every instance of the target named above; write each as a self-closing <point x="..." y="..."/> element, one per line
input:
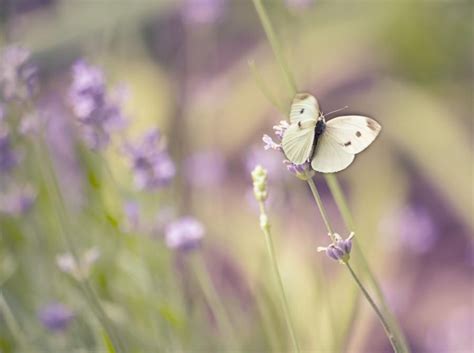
<point x="184" y="234"/>
<point x="340" y="249"/>
<point x="97" y="112"/>
<point x="281" y="128"/>
<point x="18" y="79"/>
<point x="151" y="164"/>
<point x="346" y="245"/>
<point x="56" y="317"/>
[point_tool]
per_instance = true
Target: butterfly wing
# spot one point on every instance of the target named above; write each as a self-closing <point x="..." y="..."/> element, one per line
<point x="297" y="142"/>
<point x="304" y="107"/>
<point x="329" y="156"/>
<point x="353" y="133"/>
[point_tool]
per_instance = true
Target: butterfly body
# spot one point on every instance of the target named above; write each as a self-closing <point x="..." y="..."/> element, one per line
<point x="329" y="146"/>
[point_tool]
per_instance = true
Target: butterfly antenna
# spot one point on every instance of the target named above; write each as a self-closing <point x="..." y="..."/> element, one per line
<point x="337" y="110"/>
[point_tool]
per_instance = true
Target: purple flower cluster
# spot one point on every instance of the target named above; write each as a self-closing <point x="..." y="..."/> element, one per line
<point x="55" y="317"/>
<point x="151" y="163"/>
<point x="184" y="234"/>
<point x="18" y="78"/>
<point x="97" y="111"/>
<point x="18" y="201"/>
<point x="340" y="249"/>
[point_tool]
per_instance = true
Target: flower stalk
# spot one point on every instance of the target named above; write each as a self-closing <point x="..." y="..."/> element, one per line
<point x="391" y="326"/>
<point x="259" y="176"/>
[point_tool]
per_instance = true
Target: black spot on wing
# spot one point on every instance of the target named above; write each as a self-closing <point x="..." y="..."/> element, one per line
<point x="372" y="125"/>
<point x="348" y="143"/>
<point x="358" y="134"/>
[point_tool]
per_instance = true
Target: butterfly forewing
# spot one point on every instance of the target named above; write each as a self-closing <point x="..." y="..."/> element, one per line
<point x="297" y="143"/>
<point x="353" y="133"/>
<point x="329" y="157"/>
<point x="304" y="107"/>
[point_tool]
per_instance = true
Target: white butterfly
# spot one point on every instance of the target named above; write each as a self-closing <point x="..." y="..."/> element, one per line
<point x="329" y="146"/>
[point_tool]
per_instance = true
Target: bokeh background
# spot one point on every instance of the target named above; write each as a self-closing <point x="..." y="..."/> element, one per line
<point x="182" y="67"/>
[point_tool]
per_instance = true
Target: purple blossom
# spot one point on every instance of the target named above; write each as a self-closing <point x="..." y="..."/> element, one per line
<point x="132" y="216"/>
<point x="410" y="227"/>
<point x="18" y="201"/>
<point x="202" y="11"/>
<point x="151" y="163"/>
<point x="184" y="234"/>
<point x="18" y="78"/>
<point x="8" y="157"/>
<point x="340" y="249"/>
<point x="270" y="144"/>
<point x="55" y="317"/>
<point x="98" y="112"/>
<point x="280" y="129"/>
<point x="205" y="169"/>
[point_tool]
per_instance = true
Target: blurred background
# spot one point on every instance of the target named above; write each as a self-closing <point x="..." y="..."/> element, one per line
<point x="128" y="130"/>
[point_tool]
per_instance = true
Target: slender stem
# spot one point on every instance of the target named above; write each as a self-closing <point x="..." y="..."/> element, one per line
<point x="276" y="271"/>
<point x="213" y="298"/>
<point x="275" y="44"/>
<point x="386" y="327"/>
<point x="12" y="323"/>
<point x="344" y="210"/>
<point x="47" y="169"/>
<point x="322" y="210"/>
<point x="264" y="88"/>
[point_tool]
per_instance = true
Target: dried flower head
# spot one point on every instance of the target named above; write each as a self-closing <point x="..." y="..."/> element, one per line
<point x="184" y="234"/>
<point x="80" y="268"/>
<point x="340" y="249"/>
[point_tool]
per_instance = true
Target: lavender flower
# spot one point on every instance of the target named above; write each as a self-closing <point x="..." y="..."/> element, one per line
<point x="205" y="169"/>
<point x="8" y="157"/>
<point x="184" y="234"/>
<point x="98" y="113"/>
<point x="18" y="201"/>
<point x="202" y="11"/>
<point x="132" y="216"/>
<point x="55" y="317"/>
<point x="410" y="227"/>
<point x="152" y="166"/>
<point x="18" y="79"/>
<point x="340" y="249"/>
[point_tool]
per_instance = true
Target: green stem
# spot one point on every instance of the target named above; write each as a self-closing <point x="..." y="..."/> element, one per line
<point x="345" y="212"/>
<point x="49" y="176"/>
<point x="214" y="299"/>
<point x="275" y="44"/>
<point x="11" y="322"/>
<point x="276" y="271"/>
<point x="321" y="208"/>
<point x="386" y="327"/>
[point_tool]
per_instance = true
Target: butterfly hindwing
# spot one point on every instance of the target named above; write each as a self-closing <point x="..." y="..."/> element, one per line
<point x="353" y="133"/>
<point x="329" y="156"/>
<point x="297" y="142"/>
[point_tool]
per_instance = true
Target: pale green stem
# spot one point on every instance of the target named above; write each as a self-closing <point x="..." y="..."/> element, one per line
<point x="393" y="341"/>
<point x="345" y="212"/>
<point x="336" y="191"/>
<point x="11" y="322"/>
<point x="214" y="299"/>
<point x="275" y="44"/>
<point x="54" y="189"/>
<point x="264" y="88"/>
<point x="276" y="271"/>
